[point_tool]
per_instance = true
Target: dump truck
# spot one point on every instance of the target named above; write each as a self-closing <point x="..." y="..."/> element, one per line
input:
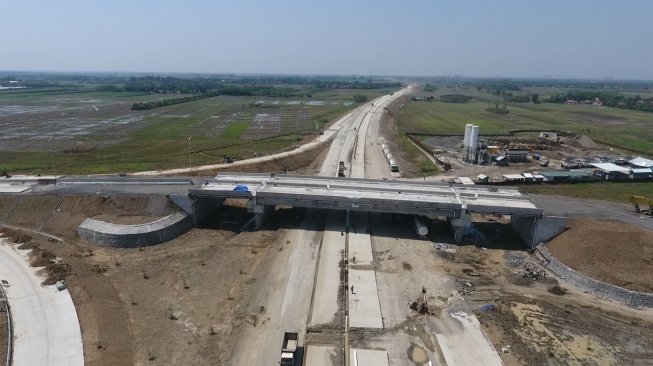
<point x="289" y="348"/>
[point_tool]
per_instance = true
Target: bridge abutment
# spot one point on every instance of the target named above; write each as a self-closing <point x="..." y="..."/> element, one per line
<point x="533" y="229"/>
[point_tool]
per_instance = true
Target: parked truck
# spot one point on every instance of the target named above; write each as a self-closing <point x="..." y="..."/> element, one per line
<point x="288" y="349"/>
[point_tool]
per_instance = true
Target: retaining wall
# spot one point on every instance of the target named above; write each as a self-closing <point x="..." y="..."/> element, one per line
<point x="601" y="289"/>
<point x="132" y="236"/>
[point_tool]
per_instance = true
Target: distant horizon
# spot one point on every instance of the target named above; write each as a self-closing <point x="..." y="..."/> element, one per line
<point x="461" y="76"/>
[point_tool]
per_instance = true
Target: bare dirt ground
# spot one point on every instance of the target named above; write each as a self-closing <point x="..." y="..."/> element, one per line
<point x="543" y="322"/>
<point x="609" y="251"/>
<point x="129" y="209"/>
<point x="174" y="303"/>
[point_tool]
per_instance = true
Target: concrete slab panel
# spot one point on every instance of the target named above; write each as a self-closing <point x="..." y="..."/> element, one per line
<point x="12" y="188"/>
<point x="360" y="246"/>
<point x="367" y="357"/>
<point x="327" y="284"/>
<point x="320" y="355"/>
<point x="364" y="307"/>
<point x="459" y="330"/>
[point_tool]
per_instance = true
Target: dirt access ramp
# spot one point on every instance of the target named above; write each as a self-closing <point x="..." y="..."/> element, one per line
<point x="607" y="250"/>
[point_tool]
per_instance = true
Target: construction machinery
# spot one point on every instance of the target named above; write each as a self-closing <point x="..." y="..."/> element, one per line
<point x="640" y="203"/>
<point x="421" y="305"/>
<point x="533" y="272"/>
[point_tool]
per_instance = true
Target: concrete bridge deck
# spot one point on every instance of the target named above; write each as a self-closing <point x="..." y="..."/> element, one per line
<point x="369" y="195"/>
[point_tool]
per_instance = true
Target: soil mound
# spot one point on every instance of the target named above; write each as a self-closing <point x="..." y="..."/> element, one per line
<point x="586" y="142"/>
<point x="610" y="251"/>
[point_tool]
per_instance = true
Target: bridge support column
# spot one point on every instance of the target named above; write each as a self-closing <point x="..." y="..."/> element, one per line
<point x="459" y="224"/>
<point x="258" y="221"/>
<point x="258" y="209"/>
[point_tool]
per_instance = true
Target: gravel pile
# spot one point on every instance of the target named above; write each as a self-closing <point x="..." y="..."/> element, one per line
<point x="514" y="259"/>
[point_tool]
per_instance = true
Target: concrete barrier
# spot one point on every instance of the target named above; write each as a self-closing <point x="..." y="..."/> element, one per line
<point x="132" y="236"/>
<point x="601" y="289"/>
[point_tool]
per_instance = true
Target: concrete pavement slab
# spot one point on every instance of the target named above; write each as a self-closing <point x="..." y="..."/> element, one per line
<point x="459" y="331"/>
<point x="325" y="295"/>
<point x="360" y="246"/>
<point x="368" y="357"/>
<point x="364" y="308"/>
<point x="320" y="355"/>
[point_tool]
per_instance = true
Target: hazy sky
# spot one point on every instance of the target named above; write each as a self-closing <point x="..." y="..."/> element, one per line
<point x="520" y="38"/>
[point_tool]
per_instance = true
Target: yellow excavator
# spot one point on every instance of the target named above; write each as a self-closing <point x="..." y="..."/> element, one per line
<point x="639" y="201"/>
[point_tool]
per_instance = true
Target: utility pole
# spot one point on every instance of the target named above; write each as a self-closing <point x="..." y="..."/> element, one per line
<point x="189" y="161"/>
<point x="54" y="171"/>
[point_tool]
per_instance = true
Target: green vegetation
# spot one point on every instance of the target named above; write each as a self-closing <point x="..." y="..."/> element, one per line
<point x="429" y="87"/>
<point x="171" y="101"/>
<point x="627" y="129"/>
<point x="607" y="99"/>
<point x="499" y="109"/>
<point x="359" y="98"/>
<point x="455" y="98"/>
<point x="618" y="192"/>
<point x="160" y="140"/>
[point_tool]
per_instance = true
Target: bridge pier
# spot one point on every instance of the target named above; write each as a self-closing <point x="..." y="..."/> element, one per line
<point x="459" y="224"/>
<point x="259" y="210"/>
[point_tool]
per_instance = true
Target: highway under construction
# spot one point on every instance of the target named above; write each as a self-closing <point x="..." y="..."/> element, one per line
<point x="345" y="275"/>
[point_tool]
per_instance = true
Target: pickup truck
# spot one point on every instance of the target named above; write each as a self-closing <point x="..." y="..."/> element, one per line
<point x="288" y="349"/>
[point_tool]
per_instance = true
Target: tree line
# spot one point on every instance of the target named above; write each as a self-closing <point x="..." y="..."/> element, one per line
<point x="455" y="98"/>
<point x="607" y="99"/>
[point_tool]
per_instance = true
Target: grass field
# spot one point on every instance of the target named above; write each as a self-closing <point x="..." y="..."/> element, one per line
<point x="626" y="129"/>
<point x="99" y="133"/>
<point x="618" y="192"/>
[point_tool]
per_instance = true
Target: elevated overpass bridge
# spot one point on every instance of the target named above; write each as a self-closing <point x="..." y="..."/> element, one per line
<point x="457" y="203"/>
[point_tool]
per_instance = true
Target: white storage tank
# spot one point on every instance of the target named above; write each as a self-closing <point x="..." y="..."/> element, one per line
<point x="420" y="227"/>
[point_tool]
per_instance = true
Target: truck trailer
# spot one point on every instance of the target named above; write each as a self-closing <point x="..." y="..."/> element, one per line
<point x="289" y="348"/>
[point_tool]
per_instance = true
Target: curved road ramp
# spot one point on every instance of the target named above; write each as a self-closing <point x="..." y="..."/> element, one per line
<point x="45" y="324"/>
<point x="132" y="236"/>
